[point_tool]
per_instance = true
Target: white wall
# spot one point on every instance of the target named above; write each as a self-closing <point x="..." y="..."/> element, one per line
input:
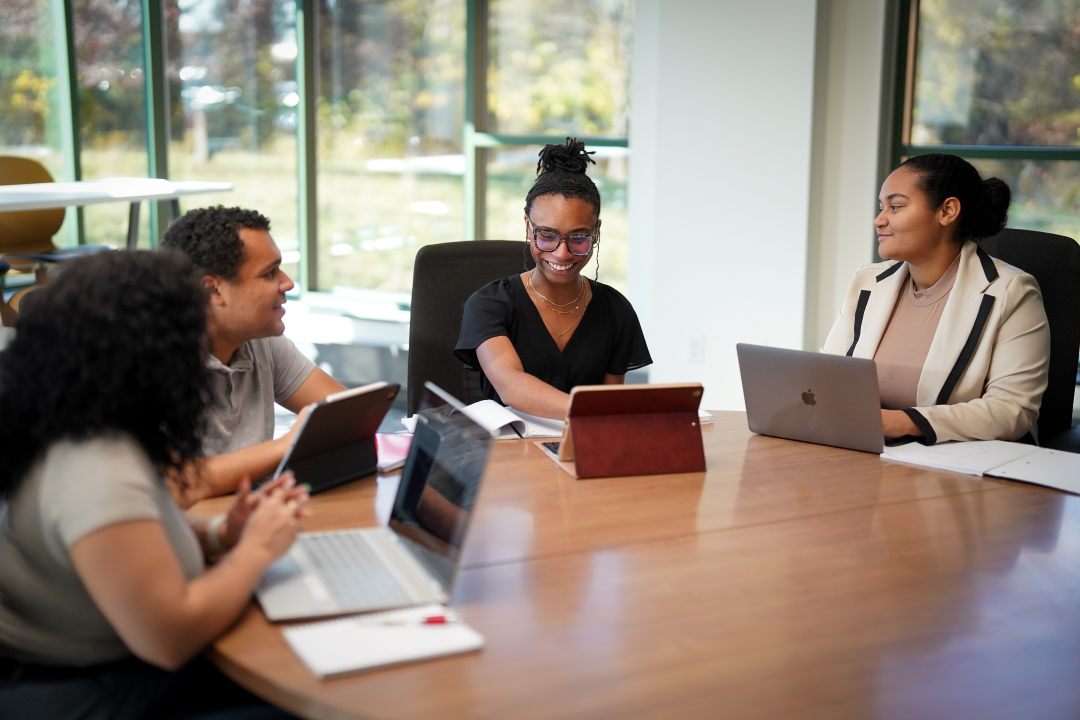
<point x="722" y="140"/>
<point x="844" y="183"/>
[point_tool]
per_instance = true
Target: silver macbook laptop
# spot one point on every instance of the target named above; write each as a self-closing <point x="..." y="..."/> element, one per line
<point x="413" y="561"/>
<point x="812" y="397"/>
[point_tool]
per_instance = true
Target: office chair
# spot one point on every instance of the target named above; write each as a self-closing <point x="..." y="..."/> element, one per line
<point x="444" y="276"/>
<point x="26" y="235"/>
<point x="1054" y="261"/>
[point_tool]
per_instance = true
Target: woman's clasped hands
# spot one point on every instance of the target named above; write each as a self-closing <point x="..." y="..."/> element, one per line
<point x="268" y="518"/>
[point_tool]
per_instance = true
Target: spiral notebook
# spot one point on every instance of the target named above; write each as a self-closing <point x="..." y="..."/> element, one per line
<point x="365" y="642"/>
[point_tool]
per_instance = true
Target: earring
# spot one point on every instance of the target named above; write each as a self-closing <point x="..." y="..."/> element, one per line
<point x="596" y="276"/>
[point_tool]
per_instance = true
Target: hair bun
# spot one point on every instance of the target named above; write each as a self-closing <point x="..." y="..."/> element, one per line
<point x="571" y="157"/>
<point x="993" y="210"/>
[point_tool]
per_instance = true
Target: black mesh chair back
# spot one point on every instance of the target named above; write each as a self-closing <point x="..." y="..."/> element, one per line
<point x="1054" y="261"/>
<point x="444" y="276"/>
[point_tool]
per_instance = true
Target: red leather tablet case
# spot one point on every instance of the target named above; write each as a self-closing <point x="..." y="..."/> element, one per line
<point x="636" y="430"/>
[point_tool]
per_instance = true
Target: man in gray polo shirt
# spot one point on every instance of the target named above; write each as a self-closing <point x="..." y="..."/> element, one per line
<point x="253" y="364"/>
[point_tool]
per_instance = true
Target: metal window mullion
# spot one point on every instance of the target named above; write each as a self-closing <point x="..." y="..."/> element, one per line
<point x="997" y="152"/>
<point x="307" y="20"/>
<point x="157" y="108"/>
<point x="68" y="101"/>
<point x="897" y="66"/>
<point x="476" y="63"/>
<point x="898" y="70"/>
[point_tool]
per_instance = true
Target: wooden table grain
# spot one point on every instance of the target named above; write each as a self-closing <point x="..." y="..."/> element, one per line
<point x="788" y="581"/>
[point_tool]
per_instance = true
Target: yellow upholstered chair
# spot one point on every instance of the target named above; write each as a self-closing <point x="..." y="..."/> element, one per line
<point x="26" y="235"/>
<point x="27" y="232"/>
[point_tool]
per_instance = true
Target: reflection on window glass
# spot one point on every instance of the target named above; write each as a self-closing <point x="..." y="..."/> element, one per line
<point x="112" y="108"/>
<point x="233" y="101"/>
<point x="993" y="72"/>
<point x="1046" y="195"/>
<point x="559" y="66"/>
<point x="511" y="173"/>
<point x="29" y="102"/>
<point x="390" y="164"/>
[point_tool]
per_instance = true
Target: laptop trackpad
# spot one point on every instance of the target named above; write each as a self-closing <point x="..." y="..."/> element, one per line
<point x="285" y="588"/>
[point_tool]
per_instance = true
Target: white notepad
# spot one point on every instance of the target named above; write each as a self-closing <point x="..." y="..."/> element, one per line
<point x="364" y="642"/>
<point x="997" y="458"/>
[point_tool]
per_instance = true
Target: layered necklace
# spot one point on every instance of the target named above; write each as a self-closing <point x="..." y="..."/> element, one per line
<point x="556" y="307"/>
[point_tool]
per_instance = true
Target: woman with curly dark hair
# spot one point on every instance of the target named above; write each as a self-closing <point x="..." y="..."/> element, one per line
<point x="536" y="335"/>
<point x="102" y="583"/>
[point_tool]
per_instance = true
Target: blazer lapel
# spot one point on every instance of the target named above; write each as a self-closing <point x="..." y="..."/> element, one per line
<point x="961" y="324"/>
<point x="878" y="310"/>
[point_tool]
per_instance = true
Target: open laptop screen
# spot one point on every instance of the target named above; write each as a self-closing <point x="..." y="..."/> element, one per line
<point x="440" y="484"/>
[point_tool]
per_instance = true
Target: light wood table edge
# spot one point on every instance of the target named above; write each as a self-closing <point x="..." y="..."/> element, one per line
<point x="274" y="694"/>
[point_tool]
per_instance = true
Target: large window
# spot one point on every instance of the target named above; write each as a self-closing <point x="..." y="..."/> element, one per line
<point x="364" y="129"/>
<point x="390" y="112"/>
<point x="233" y="97"/>
<point x="998" y="82"/>
<point x="555" y="69"/>
<point x="111" y="108"/>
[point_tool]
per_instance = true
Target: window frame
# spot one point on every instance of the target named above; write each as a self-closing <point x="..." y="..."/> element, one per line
<point x="905" y="17"/>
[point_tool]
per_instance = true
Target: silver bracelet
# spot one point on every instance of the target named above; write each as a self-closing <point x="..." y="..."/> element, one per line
<point x="213" y="535"/>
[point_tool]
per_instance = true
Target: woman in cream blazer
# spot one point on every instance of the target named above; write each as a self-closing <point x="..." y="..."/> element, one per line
<point x="986" y="368"/>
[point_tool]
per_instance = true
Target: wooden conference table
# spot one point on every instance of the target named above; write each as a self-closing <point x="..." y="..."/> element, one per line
<point x="789" y="580"/>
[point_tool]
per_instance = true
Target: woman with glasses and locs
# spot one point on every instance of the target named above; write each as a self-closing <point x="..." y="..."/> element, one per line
<point x="534" y="336"/>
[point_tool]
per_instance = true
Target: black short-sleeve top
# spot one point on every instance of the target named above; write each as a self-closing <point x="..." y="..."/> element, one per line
<point x="608" y="340"/>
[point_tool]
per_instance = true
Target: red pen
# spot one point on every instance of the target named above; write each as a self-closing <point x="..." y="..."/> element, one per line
<point x="429" y="620"/>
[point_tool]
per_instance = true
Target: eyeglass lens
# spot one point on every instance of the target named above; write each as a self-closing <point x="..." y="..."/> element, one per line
<point x="548" y="241"/>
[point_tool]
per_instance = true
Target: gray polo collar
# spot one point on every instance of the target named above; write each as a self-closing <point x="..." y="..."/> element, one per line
<point x="242" y="361"/>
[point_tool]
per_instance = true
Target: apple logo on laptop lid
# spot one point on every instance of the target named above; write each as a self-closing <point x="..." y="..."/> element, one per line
<point x="808" y="397"/>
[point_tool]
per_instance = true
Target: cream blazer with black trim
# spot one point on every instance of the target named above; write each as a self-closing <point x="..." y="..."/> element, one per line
<point x="985" y="373"/>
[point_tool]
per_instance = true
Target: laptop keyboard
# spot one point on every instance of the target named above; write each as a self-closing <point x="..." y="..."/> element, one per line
<point x="352" y="572"/>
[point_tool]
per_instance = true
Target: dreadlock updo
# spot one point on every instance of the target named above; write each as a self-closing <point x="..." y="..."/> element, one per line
<point x="984" y="204"/>
<point x="561" y="171"/>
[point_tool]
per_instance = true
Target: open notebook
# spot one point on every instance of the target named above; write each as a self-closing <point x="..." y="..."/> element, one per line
<point x="366" y="642"/>
<point x="505" y="422"/>
<point x="997" y="458"/>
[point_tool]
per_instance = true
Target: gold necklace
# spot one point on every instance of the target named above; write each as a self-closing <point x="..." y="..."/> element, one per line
<point x="558" y="335"/>
<point x="551" y="304"/>
<point x="571" y="311"/>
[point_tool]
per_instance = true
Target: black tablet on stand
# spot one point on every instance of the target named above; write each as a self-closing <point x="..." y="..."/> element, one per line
<point x="336" y="442"/>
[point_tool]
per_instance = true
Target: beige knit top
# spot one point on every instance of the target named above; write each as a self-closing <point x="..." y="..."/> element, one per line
<point x="902" y="351"/>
